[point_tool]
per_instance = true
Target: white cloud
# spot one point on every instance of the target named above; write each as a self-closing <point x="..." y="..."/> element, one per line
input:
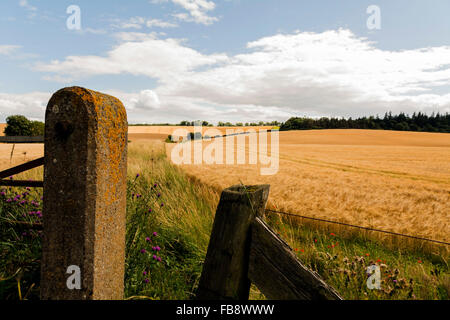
<point x="26" y="5"/>
<point x="198" y="10"/>
<point x="31" y="104"/>
<point x="140" y="22"/>
<point x="32" y="10"/>
<point x="333" y="73"/>
<point x="8" y="49"/>
<point x="160" y="24"/>
<point x="161" y="59"/>
<point x="152" y="107"/>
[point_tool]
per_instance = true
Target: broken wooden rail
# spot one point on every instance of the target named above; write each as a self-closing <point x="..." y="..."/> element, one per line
<point x="243" y="249"/>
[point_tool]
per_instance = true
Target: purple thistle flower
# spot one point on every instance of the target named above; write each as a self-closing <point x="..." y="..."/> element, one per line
<point x="9" y="200"/>
<point x="159" y="194"/>
<point x="158" y="259"/>
<point x="155" y="185"/>
<point x="148" y="239"/>
<point x="3" y="193"/>
<point x="144" y="273"/>
<point x="143" y="251"/>
<point x="149" y="210"/>
<point x="137" y="175"/>
<point x="157" y="248"/>
<point x="155" y="257"/>
<point x="146" y="281"/>
<point x="162" y="205"/>
<point x="155" y="234"/>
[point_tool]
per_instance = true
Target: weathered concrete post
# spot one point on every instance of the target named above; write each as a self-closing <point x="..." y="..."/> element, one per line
<point x="225" y="272"/>
<point x="84" y="196"/>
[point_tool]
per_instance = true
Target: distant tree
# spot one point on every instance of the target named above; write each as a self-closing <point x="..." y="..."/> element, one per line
<point x="19" y="125"/>
<point x="37" y="128"/>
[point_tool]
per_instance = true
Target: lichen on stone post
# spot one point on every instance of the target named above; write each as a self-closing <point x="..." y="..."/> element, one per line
<point x="84" y="196"/>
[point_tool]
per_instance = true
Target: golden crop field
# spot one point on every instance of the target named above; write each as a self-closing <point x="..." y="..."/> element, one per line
<point x="396" y="181"/>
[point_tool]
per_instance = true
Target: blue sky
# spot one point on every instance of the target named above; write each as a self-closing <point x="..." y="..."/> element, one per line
<point x="228" y="60"/>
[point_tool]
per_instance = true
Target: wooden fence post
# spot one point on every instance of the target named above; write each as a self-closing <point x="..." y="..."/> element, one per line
<point x="84" y="196"/>
<point x="225" y="271"/>
<point x="278" y="273"/>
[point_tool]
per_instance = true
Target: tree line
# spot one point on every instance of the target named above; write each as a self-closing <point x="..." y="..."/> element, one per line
<point x="401" y="122"/>
<point x="18" y="125"/>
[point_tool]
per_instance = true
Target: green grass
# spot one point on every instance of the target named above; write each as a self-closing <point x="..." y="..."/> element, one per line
<point x="342" y="262"/>
<point x="181" y="216"/>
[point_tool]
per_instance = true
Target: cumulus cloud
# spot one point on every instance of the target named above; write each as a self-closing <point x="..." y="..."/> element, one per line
<point x="31" y="104"/>
<point x="332" y="73"/>
<point x="161" y="59"/>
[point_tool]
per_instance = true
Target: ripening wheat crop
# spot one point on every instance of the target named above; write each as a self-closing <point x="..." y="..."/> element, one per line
<point x="396" y="181"/>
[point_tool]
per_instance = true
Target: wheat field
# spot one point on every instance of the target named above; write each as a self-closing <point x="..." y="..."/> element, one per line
<point x="395" y="181"/>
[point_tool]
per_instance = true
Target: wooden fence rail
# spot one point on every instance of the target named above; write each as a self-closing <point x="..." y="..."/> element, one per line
<point x="244" y="249"/>
<point x="20" y="139"/>
<point x="18" y="169"/>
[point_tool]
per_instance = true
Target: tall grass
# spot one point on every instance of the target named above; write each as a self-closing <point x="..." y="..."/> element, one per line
<point x="161" y="199"/>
